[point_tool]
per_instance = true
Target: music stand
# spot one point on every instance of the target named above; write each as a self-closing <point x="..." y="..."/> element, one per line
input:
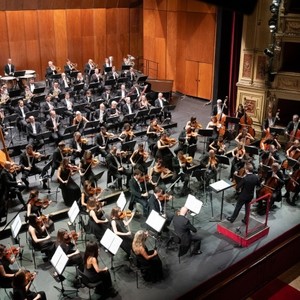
<point x="125" y="67"/>
<point x="155" y="111"/>
<point x="59" y="110"/>
<point x="79" y="107"/>
<point x="232" y="120"/>
<point x="97" y="102"/>
<point x="14" y="93"/>
<point x="122" y="79"/>
<point x="112" y="119"/>
<point x="111" y="242"/>
<point x="37" y="99"/>
<point x="217" y="187"/>
<point x="292" y="162"/>
<point x="34" y="113"/>
<point x="169" y="107"/>
<point x="74" y="74"/>
<point x="59" y="261"/>
<point x="91" y="124"/>
<point x="19" y="73"/>
<point x="93" y="85"/>
<point x="56" y="76"/>
<point x="10" y="119"/>
<point x="194" y="205"/>
<point x="128" y="146"/>
<point x="205" y="133"/>
<point x="110" y="82"/>
<point x="277" y="130"/>
<point x="251" y="150"/>
<point x="142" y="79"/>
<point x="39" y="90"/>
<point x="156" y="221"/>
<point x="142" y="113"/>
<point x="70" y="129"/>
<point x="107" y="69"/>
<point x="129" y="118"/>
<point x="73" y="213"/>
<point x="222" y="160"/>
<point x="78" y="87"/>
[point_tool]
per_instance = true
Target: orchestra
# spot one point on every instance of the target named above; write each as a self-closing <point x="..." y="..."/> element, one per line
<point x="153" y="165"/>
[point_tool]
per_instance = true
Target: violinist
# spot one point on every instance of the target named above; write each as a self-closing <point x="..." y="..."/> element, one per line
<point x="21" y="287"/>
<point x="210" y="163"/>
<point x="80" y="121"/>
<point x="98" y="222"/>
<point x="157" y="202"/>
<point x="154" y="131"/>
<point x="102" y="140"/>
<point x="138" y="194"/>
<point x="163" y="149"/>
<point x="10" y="185"/>
<point x="127" y="134"/>
<point x="28" y="161"/>
<point x="187" y="138"/>
<point x="67" y="241"/>
<point x="85" y="167"/>
<point x="35" y="206"/>
<point x="247" y="186"/>
<point x="6" y="273"/>
<point x="193" y="124"/>
<point x="159" y="174"/>
<point x="77" y="146"/>
<point x="244" y="137"/>
<point x="41" y="240"/>
<point x="57" y="157"/>
<point x="121" y="228"/>
<point x="181" y="165"/>
<point x="138" y="159"/>
<point x="218" y="145"/>
<point x="238" y="159"/>
<point x="69" y="188"/>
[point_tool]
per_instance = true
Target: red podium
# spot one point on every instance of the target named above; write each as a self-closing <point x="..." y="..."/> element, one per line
<point x="246" y="234"/>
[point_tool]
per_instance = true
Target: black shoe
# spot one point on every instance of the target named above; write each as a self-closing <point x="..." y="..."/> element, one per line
<point x="230" y="219"/>
<point x="244" y="221"/>
<point x="198" y="252"/>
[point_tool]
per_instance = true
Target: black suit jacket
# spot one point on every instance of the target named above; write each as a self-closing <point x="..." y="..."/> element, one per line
<point x="183" y="228"/>
<point x="6" y="69"/>
<point x="247" y="186"/>
<point x="136" y="192"/>
<point x="18" y="111"/>
<point x="29" y="129"/>
<point x="153" y="204"/>
<point x="49" y="123"/>
<point x="125" y="109"/>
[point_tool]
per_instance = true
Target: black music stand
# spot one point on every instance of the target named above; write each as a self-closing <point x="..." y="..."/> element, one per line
<point x="154" y="111"/>
<point x="37" y="99"/>
<point x="141" y="114"/>
<point x="112" y="120"/>
<point x="39" y="90"/>
<point x="59" y="110"/>
<point x="169" y="107"/>
<point x="251" y="150"/>
<point x="129" y="118"/>
<point x="107" y="69"/>
<point x="14" y="101"/>
<point x="142" y="79"/>
<point x="14" y="93"/>
<point x="110" y="82"/>
<point x="292" y="162"/>
<point x="205" y="133"/>
<point x="199" y="174"/>
<point x="78" y="87"/>
<point x="232" y="120"/>
<point x="194" y="205"/>
<point x="128" y="146"/>
<point x="74" y="74"/>
<point x="34" y="113"/>
<point x="217" y="187"/>
<point x="59" y="261"/>
<point x="122" y="80"/>
<point x="125" y="67"/>
<point x="277" y="130"/>
<point x="93" y="85"/>
<point x="91" y="124"/>
<point x="19" y="73"/>
<point x="10" y="119"/>
<point x="97" y="102"/>
<point x="70" y="129"/>
<point x="222" y="160"/>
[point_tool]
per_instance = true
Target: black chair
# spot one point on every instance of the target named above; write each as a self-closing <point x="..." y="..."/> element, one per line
<point x="33" y="249"/>
<point x="175" y="240"/>
<point x="86" y="282"/>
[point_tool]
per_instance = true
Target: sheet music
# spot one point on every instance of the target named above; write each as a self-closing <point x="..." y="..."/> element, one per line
<point x="73" y="212"/>
<point x="193" y="204"/>
<point x="16" y="226"/>
<point x="111" y="241"/>
<point x="156" y="221"/>
<point x="121" y="202"/>
<point x="220" y="185"/>
<point x="59" y="260"/>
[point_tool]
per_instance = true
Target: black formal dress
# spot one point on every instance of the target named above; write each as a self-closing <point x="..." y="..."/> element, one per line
<point x="127" y="239"/>
<point x="98" y="229"/>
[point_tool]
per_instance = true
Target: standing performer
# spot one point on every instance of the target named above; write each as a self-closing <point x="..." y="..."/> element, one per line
<point x="247" y="186"/>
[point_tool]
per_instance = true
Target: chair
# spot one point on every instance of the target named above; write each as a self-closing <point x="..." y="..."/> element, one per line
<point x="175" y="239"/>
<point x="135" y="267"/>
<point x="33" y="249"/>
<point x="86" y="282"/>
<point x="86" y="229"/>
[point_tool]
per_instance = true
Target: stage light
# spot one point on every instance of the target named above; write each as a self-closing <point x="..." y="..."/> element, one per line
<point x="269" y="52"/>
<point x="273" y="23"/>
<point x="274" y="8"/>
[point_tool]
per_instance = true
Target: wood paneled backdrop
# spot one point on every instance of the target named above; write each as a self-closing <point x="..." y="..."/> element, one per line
<point x="180" y="36"/>
<point x="33" y="37"/>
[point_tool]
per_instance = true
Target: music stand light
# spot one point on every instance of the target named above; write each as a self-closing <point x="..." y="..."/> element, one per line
<point x="59" y="261"/>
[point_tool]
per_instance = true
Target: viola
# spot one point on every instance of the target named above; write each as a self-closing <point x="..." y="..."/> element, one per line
<point x="144" y="178"/>
<point x="44" y="203"/>
<point x="169" y="141"/>
<point x="29" y="276"/>
<point x="72" y="167"/>
<point x="67" y="150"/>
<point x="12" y="251"/>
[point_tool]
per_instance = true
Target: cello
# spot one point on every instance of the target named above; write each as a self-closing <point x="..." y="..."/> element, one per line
<point x="293" y="181"/>
<point x="221" y="119"/>
<point x="247" y="122"/>
<point x="268" y="135"/>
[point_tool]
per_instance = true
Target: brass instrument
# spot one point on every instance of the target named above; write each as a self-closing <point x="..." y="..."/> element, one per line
<point x="74" y="66"/>
<point x="84" y="140"/>
<point x="94" y="65"/>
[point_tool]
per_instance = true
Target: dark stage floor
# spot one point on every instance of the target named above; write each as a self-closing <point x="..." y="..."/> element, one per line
<point x="218" y="252"/>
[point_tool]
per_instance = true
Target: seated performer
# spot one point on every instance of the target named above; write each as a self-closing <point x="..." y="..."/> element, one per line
<point x="138" y="159"/>
<point x="95" y="274"/>
<point x="87" y="163"/>
<point x="120" y="227"/>
<point x="238" y="159"/>
<point x="127" y="134"/>
<point x="159" y="174"/>
<point x="162" y="102"/>
<point x="21" y="110"/>
<point x="244" y="137"/>
<point x="28" y="161"/>
<point x="33" y="130"/>
<point x="183" y="228"/>
<point x="102" y="140"/>
<point x="69" y="188"/>
<point x="163" y="149"/>
<point x="54" y="125"/>
<point x="137" y="193"/>
<point x="57" y="157"/>
<point x="218" y="145"/>
<point x="154" y="131"/>
<point x="78" y="146"/>
<point x="210" y="163"/>
<point x="80" y="121"/>
<point x="148" y="260"/>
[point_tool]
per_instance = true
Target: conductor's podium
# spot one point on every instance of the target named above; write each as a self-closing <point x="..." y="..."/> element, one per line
<point x="243" y="234"/>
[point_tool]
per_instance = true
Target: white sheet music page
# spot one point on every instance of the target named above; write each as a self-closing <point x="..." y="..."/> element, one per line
<point x="220" y="185"/>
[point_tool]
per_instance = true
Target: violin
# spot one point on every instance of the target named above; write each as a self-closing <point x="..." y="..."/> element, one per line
<point x="94" y="190"/>
<point x="158" y="128"/>
<point x="15" y="168"/>
<point x="144" y="178"/>
<point x="29" y="276"/>
<point x="12" y="251"/>
<point x="67" y="150"/>
<point x="186" y="159"/>
<point x="165" y="197"/>
<point x="169" y="141"/>
<point x="125" y="214"/>
<point x="44" y="203"/>
<point x="73" y="235"/>
<point x="72" y="167"/>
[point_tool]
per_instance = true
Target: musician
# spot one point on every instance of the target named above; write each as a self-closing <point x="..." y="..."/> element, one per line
<point x="21" y="287"/>
<point x="48" y="105"/>
<point x="217" y="109"/>
<point x="269" y="122"/>
<point x="218" y="145"/>
<point x="89" y="69"/>
<point x="247" y="186"/>
<point x="57" y="157"/>
<point x="53" y="124"/>
<point x="187" y="142"/>
<point x="163" y="149"/>
<point x="157" y="202"/>
<point x="78" y="146"/>
<point x="272" y="140"/>
<point x="293" y="128"/>
<point x="127" y="108"/>
<point x="96" y="77"/>
<point x="4" y="96"/>
<point x="127" y="134"/>
<point x="147" y="259"/>
<point x="107" y="63"/>
<point x="69" y="67"/>
<point x="143" y="103"/>
<point x="67" y="242"/>
<point x="79" y="79"/>
<point x="33" y="129"/>
<point x="158" y="174"/>
<point x="6" y="273"/>
<point x="9" y="68"/>
<point x="240" y="111"/>
<point x="244" y="137"/>
<point x="69" y="188"/>
<point x="162" y="102"/>
<point x="210" y="163"/>
<point x="114" y="74"/>
<point x="88" y="100"/>
<point x="64" y="82"/>
<point x="87" y="162"/>
<point x="113" y="110"/>
<point x="28" y="161"/>
<point x="121" y="228"/>
<point x="100" y="114"/>
<point x="27" y="99"/>
<point x="106" y="96"/>
<point x="238" y="159"/>
<point x="67" y="103"/>
<point x="102" y="139"/>
<point x="115" y="167"/>
<point x="193" y="124"/>
<point x="183" y="229"/>
<point x="40" y="237"/>
<point x="181" y="165"/>
<point x="294" y="149"/>
<point x="138" y="159"/>
<point x="98" y="222"/>
<point x="21" y="110"/>
<point x="95" y="274"/>
<point x="154" y="131"/>
<point x="50" y="71"/>
<point x="80" y="122"/>
<point x="122" y="93"/>
<point x="10" y="184"/>
<point x="55" y="91"/>
<point x="31" y="85"/>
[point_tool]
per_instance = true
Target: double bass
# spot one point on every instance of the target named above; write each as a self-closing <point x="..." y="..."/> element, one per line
<point x="247" y="122"/>
<point x="221" y="119"/>
<point x="268" y="135"/>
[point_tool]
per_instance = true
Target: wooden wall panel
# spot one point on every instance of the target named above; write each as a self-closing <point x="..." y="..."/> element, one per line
<point x="87" y="33"/>
<point x="4" y="45"/>
<point x="191" y="81"/>
<point x="171" y="57"/>
<point x="100" y="47"/>
<point x="205" y="78"/>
